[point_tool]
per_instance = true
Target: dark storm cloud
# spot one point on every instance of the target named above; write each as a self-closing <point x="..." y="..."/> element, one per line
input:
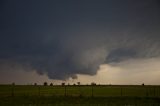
<point x="120" y="54"/>
<point x="65" y="38"/>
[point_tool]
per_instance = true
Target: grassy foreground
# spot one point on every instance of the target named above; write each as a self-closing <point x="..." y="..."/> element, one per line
<point x="81" y="101"/>
<point x="110" y="95"/>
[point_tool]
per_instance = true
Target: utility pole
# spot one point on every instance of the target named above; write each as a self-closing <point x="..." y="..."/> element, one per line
<point x="39" y="91"/>
<point x="121" y="92"/>
<point x="92" y="90"/>
<point x="64" y="90"/>
<point x="154" y="91"/>
<point x="12" y="90"/>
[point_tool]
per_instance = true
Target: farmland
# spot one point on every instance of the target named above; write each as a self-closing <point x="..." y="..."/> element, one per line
<point x="111" y="95"/>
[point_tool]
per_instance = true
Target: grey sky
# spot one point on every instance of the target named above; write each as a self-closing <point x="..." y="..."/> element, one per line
<point x="64" y="38"/>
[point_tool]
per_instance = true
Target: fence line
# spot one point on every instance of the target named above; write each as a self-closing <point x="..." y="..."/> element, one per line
<point x="92" y="91"/>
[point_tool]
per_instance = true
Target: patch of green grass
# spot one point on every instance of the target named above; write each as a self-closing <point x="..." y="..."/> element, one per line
<point x="29" y="95"/>
<point x="100" y="101"/>
<point x="102" y="91"/>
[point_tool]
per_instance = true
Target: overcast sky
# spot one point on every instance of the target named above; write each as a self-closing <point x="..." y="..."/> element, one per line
<point x="103" y="41"/>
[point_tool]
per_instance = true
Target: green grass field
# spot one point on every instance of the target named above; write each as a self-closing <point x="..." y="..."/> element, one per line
<point x="109" y="95"/>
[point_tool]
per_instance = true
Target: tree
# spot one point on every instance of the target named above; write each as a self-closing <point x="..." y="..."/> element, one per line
<point x="63" y="84"/>
<point x="45" y="83"/>
<point x="51" y="84"/>
<point x="35" y="84"/>
<point x="13" y="83"/>
<point x="78" y="83"/>
<point x="93" y="83"/>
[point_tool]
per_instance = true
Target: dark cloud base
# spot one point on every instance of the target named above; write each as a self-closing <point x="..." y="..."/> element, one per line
<point x="62" y="39"/>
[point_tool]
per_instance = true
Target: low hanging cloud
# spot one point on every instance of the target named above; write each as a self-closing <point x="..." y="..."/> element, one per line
<point x="132" y="71"/>
<point x="65" y="40"/>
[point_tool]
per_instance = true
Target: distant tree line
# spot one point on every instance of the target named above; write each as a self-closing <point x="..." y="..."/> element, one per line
<point x="63" y="84"/>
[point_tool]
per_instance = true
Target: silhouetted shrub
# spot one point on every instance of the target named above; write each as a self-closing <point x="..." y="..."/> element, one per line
<point x="45" y="83"/>
<point x="51" y="84"/>
<point x="93" y="83"/>
<point x="35" y="84"/>
<point x="13" y="83"/>
<point x="63" y="84"/>
<point x="78" y="83"/>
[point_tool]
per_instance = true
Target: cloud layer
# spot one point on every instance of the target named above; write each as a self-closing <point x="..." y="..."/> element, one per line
<point x="70" y="38"/>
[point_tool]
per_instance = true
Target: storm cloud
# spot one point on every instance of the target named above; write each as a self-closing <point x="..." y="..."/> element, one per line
<point x="66" y="38"/>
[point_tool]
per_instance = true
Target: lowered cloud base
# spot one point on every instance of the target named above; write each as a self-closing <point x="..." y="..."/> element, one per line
<point x="132" y="72"/>
<point x="65" y="40"/>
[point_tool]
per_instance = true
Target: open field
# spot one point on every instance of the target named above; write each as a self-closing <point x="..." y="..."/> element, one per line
<point x="108" y="95"/>
<point x="86" y="91"/>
